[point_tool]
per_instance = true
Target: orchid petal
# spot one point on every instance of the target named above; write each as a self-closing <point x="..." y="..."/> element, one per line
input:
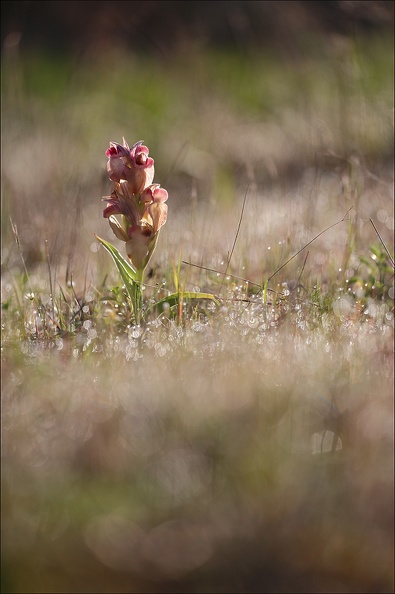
<point x="158" y="212"/>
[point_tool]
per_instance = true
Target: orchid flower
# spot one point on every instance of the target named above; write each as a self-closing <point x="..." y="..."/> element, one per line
<point x="139" y="202"/>
<point x="133" y="165"/>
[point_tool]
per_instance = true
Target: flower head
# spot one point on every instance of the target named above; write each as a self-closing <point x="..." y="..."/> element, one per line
<point x="133" y="165"/>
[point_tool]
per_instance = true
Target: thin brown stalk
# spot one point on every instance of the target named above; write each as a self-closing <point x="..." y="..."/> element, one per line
<point x="236" y="236"/>
<point x="309" y="243"/>
<point x="303" y="267"/>
<point x="245" y="280"/>
<point x="281" y="267"/>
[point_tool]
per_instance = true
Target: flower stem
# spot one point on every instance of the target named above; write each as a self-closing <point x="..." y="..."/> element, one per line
<point x="137" y="300"/>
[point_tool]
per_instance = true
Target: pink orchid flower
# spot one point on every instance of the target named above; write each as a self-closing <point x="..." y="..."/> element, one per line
<point x="123" y="202"/>
<point x="155" y="213"/>
<point x="154" y="193"/>
<point x="139" y="202"/>
<point x="130" y="164"/>
<point x="154" y="216"/>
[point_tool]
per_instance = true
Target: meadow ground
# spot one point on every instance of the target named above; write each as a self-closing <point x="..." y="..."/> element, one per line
<point x="243" y="446"/>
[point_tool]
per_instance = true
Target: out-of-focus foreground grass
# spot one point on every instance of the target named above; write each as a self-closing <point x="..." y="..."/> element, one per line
<point x="246" y="448"/>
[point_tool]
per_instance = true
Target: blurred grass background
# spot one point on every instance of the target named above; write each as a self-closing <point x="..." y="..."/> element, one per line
<point x="246" y="451"/>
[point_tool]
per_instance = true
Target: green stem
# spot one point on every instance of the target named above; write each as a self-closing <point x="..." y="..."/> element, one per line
<point x="137" y="300"/>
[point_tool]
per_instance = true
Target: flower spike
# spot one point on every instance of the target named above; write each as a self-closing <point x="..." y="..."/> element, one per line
<point x="139" y="202"/>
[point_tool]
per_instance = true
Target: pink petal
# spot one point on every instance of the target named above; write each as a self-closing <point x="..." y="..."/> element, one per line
<point x="160" y="194"/>
<point x="117" y="150"/>
<point x="111" y="209"/>
<point x="135" y="146"/>
<point x="141" y="148"/>
<point x="158" y="212"/>
<point x="117" y="169"/>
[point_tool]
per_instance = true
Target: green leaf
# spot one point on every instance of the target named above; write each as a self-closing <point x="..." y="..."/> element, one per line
<point x="127" y="272"/>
